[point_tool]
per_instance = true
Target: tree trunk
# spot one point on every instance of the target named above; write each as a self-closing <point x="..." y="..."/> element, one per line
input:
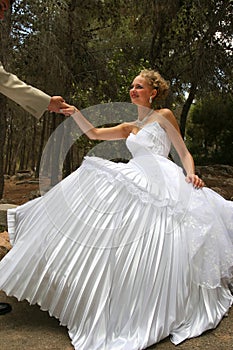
<point x="32" y="160"/>
<point x="58" y="137"/>
<point x="67" y="162"/>
<point x="7" y="149"/>
<point x="186" y="108"/>
<point x="9" y="146"/>
<point x="4" y="40"/>
<point x="2" y="141"/>
<point x="22" y="156"/>
<point x="42" y="138"/>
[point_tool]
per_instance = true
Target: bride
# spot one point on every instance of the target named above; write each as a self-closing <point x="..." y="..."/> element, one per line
<point x="126" y="254"/>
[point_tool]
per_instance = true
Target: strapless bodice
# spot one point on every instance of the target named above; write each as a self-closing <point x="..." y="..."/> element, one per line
<point x="152" y="138"/>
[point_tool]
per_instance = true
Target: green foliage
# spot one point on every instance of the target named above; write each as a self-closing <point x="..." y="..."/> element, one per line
<point x="119" y="72"/>
<point x="210" y="130"/>
<point x="89" y="51"/>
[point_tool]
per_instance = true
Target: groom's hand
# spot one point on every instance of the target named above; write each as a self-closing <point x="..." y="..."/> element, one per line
<point x="57" y="103"/>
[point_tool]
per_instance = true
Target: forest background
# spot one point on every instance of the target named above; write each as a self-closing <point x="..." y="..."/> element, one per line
<point x="89" y="51"/>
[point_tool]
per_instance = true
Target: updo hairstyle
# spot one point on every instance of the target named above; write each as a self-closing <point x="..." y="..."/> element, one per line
<point x="155" y="80"/>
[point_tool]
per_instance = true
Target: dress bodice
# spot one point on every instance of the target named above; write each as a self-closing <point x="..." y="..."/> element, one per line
<point x="151" y="138"/>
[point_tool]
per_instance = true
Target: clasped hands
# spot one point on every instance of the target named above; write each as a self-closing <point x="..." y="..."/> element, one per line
<point x="58" y="105"/>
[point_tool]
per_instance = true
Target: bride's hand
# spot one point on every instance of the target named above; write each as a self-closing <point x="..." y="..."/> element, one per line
<point x="69" y="111"/>
<point x="195" y="180"/>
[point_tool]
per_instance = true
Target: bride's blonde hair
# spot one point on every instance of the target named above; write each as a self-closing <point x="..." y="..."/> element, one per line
<point x="157" y="81"/>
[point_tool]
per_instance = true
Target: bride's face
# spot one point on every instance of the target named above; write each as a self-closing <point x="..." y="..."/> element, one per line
<point x="140" y="91"/>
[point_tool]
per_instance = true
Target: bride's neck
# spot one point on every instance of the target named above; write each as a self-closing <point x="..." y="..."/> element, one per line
<point x="143" y="112"/>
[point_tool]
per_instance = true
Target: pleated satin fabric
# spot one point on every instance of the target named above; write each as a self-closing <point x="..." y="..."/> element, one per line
<point x="124" y="255"/>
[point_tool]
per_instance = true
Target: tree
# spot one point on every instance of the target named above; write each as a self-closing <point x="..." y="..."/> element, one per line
<point x="189" y="42"/>
<point x="89" y="52"/>
<point x="210" y="130"/>
<point x="4" y="40"/>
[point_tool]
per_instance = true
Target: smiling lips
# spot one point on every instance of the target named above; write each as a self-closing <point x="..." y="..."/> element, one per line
<point x="134" y="95"/>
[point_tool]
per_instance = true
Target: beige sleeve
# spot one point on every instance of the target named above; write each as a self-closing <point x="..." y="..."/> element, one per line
<point x="31" y="99"/>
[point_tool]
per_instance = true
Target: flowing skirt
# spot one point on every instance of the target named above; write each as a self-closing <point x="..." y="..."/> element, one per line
<point x="122" y="262"/>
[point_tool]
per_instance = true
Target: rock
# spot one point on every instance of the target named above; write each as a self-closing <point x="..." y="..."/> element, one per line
<point x="218" y="177"/>
<point x="215" y="170"/>
<point x="3" y="213"/>
<point x="5" y="240"/>
<point x="220" y="191"/>
<point x="13" y="178"/>
<point x="34" y="194"/>
<point x="229" y="181"/>
<point x="23" y="176"/>
<point x="3" y="201"/>
<point x="3" y="252"/>
<point x="5" y="245"/>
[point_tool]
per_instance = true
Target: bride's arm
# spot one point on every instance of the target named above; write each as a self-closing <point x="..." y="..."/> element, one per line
<point x="120" y="131"/>
<point x="168" y="121"/>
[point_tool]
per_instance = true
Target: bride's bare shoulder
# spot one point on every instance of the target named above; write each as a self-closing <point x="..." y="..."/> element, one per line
<point x="167" y="116"/>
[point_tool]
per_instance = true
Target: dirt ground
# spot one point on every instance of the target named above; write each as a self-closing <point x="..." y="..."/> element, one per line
<point x="19" y="192"/>
<point x="28" y="328"/>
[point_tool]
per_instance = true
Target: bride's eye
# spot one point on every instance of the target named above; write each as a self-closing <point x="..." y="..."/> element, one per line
<point x="136" y="87"/>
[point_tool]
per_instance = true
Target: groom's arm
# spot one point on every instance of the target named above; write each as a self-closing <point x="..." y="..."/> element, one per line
<point x="31" y="99"/>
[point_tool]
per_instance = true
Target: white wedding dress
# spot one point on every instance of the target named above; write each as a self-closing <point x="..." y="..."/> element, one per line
<point x="124" y="254"/>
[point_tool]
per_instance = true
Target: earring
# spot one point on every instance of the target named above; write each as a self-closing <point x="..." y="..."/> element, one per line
<point x="150" y="100"/>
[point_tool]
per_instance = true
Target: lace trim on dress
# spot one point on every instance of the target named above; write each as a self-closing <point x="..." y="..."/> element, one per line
<point x="210" y="265"/>
<point x="160" y="197"/>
